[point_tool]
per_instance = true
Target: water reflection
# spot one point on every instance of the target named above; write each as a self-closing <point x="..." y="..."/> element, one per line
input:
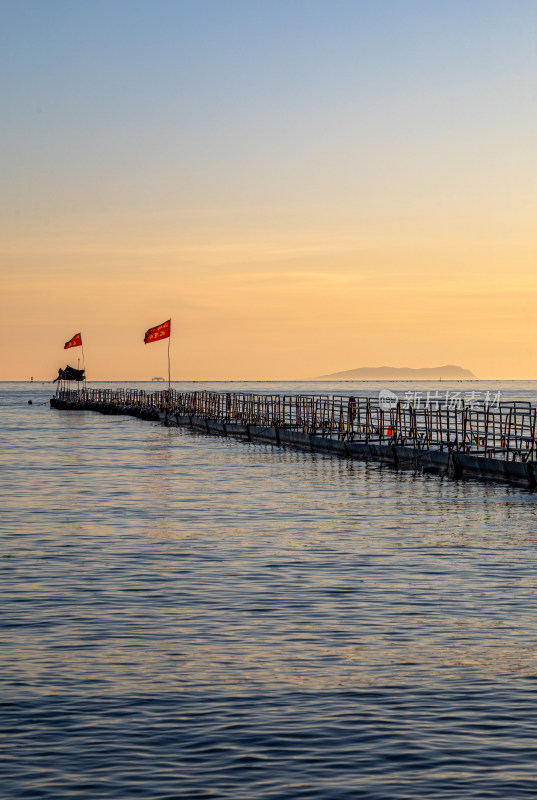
<point x="160" y="587"/>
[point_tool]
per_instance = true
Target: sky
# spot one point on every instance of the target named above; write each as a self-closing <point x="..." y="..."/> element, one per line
<point x="302" y="186"/>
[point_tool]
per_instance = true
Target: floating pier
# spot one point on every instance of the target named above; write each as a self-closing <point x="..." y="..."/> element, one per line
<point x="478" y="440"/>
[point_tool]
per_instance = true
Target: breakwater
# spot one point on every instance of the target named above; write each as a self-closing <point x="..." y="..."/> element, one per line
<point x="479" y="440"/>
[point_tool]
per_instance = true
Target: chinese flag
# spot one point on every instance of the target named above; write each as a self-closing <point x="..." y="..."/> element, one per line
<point x="158" y="332"/>
<point x="76" y="341"/>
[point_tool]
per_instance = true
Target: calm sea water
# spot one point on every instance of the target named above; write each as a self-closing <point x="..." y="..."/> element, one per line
<point x="195" y="617"/>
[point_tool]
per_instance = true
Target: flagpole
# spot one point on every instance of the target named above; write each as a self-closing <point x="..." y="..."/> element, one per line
<point x="83" y="362"/>
<point x="169" y="373"/>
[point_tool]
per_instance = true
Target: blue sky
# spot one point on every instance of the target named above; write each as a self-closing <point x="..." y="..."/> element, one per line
<point x="307" y="95"/>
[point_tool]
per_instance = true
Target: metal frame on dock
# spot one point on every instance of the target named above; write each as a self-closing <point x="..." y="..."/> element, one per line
<point x="479" y="439"/>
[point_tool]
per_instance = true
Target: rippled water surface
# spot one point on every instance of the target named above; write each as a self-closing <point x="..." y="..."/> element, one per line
<point x="188" y="616"/>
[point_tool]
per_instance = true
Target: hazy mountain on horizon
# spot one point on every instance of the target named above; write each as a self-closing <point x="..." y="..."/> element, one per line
<point x="447" y="372"/>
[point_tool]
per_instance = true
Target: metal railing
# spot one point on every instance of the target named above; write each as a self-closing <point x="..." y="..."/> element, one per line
<point x="503" y="430"/>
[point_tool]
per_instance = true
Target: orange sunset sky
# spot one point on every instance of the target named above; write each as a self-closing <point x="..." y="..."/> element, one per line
<point x="303" y="187"/>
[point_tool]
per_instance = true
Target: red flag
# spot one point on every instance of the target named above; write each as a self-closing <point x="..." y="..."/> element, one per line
<point x="76" y="341"/>
<point x="158" y="332"/>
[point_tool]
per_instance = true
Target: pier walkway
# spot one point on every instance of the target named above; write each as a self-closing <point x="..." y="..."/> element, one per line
<point x="489" y="442"/>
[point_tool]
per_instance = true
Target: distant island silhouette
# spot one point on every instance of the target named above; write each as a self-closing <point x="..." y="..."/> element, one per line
<point x="448" y="372"/>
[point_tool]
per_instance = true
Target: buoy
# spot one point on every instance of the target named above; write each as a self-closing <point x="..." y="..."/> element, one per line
<point x="30" y="402"/>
